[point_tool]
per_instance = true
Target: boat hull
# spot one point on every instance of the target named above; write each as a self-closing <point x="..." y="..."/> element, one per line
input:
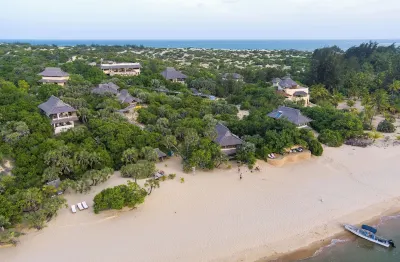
<point x="367" y="235"/>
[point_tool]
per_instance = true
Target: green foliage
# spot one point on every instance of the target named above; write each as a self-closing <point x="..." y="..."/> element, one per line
<point x="171" y="176"/>
<point x="386" y="127"/>
<point x="182" y="180"/>
<point x="347" y="124"/>
<point x="269" y="135"/>
<point x="331" y="138"/>
<point x="246" y="154"/>
<point x="117" y="197"/>
<point x="315" y="148"/>
<point x="142" y="169"/>
<point x="151" y="184"/>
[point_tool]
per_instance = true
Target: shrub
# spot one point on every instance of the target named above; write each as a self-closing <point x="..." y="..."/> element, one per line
<point x="350" y="103"/>
<point x="386" y="127"/>
<point x="331" y="138"/>
<point x="171" y="176"/>
<point x="315" y="147"/>
<point x="367" y="126"/>
<point x="182" y="180"/>
<point x="118" y="197"/>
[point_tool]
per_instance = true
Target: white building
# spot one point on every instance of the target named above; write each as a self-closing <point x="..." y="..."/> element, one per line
<point x="54" y="75"/>
<point x="127" y="69"/>
<point x="62" y="115"/>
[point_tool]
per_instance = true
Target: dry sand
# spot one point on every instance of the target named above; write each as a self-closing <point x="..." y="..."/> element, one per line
<point x="214" y="216"/>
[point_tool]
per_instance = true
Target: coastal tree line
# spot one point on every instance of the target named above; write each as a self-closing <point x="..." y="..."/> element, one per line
<point x="182" y="124"/>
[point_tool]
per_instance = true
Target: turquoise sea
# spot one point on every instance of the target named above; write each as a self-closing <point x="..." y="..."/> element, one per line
<point x="304" y="45"/>
<point x="355" y="249"/>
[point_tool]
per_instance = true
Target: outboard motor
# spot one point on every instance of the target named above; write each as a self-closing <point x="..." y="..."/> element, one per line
<point x="392" y="243"/>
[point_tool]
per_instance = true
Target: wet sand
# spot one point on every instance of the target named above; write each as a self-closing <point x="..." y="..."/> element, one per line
<point x="215" y="216"/>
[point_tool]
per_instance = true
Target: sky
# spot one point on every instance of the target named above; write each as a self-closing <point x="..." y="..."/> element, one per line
<point x="200" y="19"/>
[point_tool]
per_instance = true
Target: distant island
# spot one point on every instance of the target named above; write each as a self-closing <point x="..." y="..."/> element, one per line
<point x="202" y="154"/>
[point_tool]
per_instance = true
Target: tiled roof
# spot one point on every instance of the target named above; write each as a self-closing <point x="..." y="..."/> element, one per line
<point x="53" y="71"/>
<point x="287" y="82"/>
<point x="225" y="137"/>
<point x="171" y="73"/>
<point x="291" y="114"/>
<point x="54" y="106"/>
<point x="102" y="89"/>
<point x="276" y="80"/>
<point x="160" y="153"/>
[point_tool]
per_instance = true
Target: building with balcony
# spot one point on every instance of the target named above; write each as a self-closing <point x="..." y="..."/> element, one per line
<point x="171" y="74"/>
<point x="125" y="69"/>
<point x="54" y="75"/>
<point x="62" y="115"/>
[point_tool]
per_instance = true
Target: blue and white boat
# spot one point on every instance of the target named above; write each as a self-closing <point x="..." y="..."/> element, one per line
<point x="368" y="233"/>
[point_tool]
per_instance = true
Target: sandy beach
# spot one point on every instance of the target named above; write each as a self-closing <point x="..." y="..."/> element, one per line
<point x="215" y="216"/>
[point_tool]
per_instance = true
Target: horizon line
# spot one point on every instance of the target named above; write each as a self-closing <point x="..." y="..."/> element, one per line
<point x="210" y="39"/>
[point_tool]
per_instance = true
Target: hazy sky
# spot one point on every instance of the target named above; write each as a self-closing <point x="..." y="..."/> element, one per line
<point x="199" y="19"/>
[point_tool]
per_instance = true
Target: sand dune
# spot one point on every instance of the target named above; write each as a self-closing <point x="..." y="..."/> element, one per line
<point x="214" y="216"/>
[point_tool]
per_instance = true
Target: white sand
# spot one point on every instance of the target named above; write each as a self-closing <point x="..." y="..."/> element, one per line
<point x="217" y="217"/>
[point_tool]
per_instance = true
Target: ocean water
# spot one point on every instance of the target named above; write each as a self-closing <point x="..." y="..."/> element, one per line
<point x="355" y="249"/>
<point x="304" y="45"/>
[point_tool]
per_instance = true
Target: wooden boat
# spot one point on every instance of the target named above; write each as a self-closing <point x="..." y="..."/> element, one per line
<point x="368" y="233"/>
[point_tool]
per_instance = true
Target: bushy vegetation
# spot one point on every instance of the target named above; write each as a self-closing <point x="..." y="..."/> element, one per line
<point x="117" y="197"/>
<point x="325" y="118"/>
<point x="176" y="122"/>
<point x="272" y="136"/>
<point x="331" y="138"/>
<point x="386" y="127"/>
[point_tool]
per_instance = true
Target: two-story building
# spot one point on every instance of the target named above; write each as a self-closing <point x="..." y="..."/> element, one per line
<point x="291" y="90"/>
<point x="127" y="69"/>
<point x="54" y="75"/>
<point x="62" y="115"/>
<point x="171" y="74"/>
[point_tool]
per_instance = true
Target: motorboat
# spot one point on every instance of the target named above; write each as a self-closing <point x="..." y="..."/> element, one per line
<point x="369" y="233"/>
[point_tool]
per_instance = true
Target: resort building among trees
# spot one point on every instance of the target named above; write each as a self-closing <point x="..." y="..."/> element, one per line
<point x="108" y="88"/>
<point x="125" y="97"/>
<point x="229" y="142"/>
<point x="62" y="115"/>
<point x="232" y="76"/>
<point x="54" y="75"/>
<point x="292" y="115"/>
<point x="128" y="69"/>
<point x="292" y="90"/>
<point x="171" y="74"/>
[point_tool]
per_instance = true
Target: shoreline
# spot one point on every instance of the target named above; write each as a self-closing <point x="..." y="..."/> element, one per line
<point x="310" y="250"/>
<point x="278" y="213"/>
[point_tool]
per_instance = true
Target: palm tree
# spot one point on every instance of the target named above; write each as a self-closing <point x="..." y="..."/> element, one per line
<point x="130" y="156"/>
<point x="381" y="100"/>
<point x="149" y="154"/>
<point x="395" y="86"/>
<point x="151" y="184"/>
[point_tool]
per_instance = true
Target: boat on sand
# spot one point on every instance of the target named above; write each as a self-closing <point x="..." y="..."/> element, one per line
<point x="368" y="233"/>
